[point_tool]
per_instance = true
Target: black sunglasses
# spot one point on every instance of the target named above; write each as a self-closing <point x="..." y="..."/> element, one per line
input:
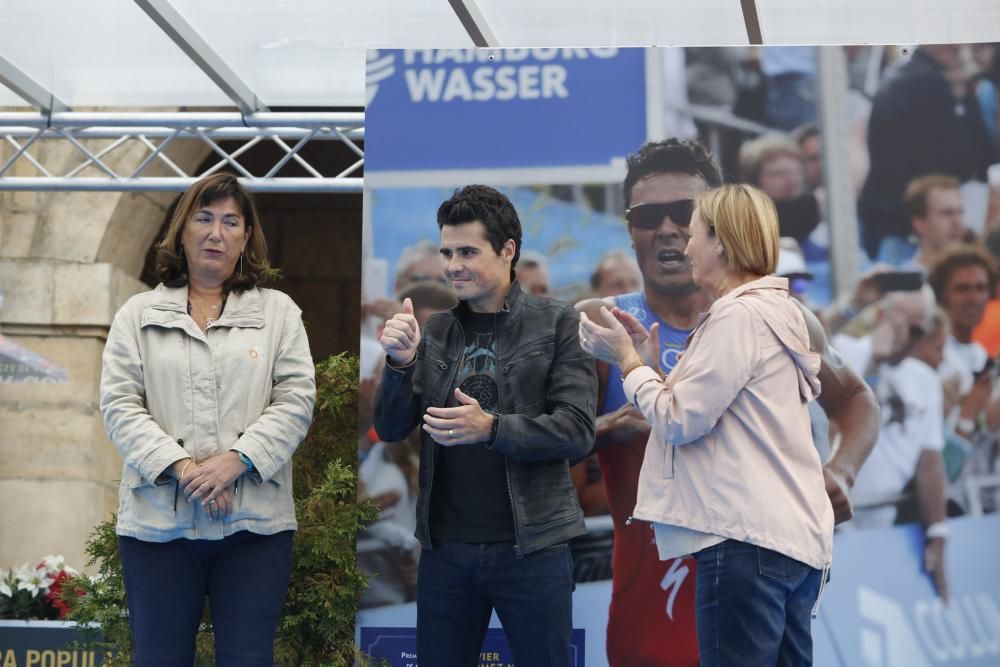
<point x="650" y="216"/>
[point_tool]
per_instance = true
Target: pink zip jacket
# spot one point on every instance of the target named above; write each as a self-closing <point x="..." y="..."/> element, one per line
<point x="730" y="452"/>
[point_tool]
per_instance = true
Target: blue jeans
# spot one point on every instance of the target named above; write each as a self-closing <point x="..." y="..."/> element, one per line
<point x="753" y="606"/>
<point x="791" y="101"/>
<point x="459" y="585"/>
<point x="245" y="577"/>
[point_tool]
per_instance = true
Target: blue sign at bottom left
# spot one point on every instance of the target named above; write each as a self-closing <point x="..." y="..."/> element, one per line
<point x="399" y="647"/>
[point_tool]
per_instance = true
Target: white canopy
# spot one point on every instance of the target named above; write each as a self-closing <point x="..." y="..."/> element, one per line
<point x="310" y="53"/>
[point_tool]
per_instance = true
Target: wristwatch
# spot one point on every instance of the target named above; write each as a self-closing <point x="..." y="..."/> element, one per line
<point x="493" y="428"/>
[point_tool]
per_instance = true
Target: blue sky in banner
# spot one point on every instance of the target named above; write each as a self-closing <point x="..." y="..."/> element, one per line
<point x="544" y="107"/>
<point x="572" y="238"/>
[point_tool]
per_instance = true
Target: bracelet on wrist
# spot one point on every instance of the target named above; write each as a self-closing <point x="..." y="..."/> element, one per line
<point x="244" y="459"/>
<point x="628" y="368"/>
<point x="937" y="530"/>
<point x="965" y="426"/>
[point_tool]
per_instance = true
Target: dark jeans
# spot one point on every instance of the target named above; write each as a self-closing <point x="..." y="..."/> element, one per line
<point x="753" y="606"/>
<point x="245" y="577"/>
<point x="459" y="585"/>
<point x="791" y="101"/>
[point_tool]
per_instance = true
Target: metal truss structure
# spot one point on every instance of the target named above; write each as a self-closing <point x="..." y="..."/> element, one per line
<point x="291" y="132"/>
<point x="251" y="124"/>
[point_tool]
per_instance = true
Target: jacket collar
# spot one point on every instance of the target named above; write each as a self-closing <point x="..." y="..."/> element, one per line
<point x="510" y="301"/>
<point x="765" y="283"/>
<point x="169" y="304"/>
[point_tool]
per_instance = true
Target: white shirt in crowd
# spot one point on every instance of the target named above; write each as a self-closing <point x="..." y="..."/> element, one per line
<point x="912" y="403"/>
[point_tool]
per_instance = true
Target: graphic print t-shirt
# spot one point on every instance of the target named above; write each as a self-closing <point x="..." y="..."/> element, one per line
<point x="470" y="501"/>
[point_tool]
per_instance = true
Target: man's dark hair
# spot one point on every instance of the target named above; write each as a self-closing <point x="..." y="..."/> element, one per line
<point x="959" y="258"/>
<point x="803" y="132"/>
<point x="490" y="207"/>
<point x="686" y="156"/>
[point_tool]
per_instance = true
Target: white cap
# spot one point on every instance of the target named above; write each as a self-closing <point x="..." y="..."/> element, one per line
<point x="791" y="263"/>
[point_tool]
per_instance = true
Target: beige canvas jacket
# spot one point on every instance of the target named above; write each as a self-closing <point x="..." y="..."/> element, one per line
<point x="731" y="452"/>
<point x="170" y="390"/>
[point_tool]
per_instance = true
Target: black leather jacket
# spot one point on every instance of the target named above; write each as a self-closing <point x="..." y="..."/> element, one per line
<point x="547" y="406"/>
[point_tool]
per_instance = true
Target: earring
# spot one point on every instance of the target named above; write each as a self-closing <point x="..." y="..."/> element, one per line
<point x="241" y="263"/>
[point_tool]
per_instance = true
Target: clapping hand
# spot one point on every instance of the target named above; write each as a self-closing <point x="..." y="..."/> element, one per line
<point x="616" y="342"/>
<point x="646" y="343"/>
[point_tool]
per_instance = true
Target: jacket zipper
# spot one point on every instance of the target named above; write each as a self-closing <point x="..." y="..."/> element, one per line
<point x="434" y="452"/>
<point x="506" y="461"/>
<point x="511" y="364"/>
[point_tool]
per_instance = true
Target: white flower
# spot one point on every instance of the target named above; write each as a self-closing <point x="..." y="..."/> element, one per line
<point x="33" y="580"/>
<point x="56" y="564"/>
<point x="6" y="578"/>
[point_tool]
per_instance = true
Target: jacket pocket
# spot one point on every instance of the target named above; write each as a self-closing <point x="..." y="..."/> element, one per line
<point x="778" y="566"/>
<point x="265" y="501"/>
<point x="431" y="371"/>
<point x="133" y="480"/>
<point x="155" y="507"/>
<point x="525" y="377"/>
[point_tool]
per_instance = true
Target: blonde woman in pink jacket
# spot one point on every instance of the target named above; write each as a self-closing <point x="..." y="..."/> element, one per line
<point x="730" y="473"/>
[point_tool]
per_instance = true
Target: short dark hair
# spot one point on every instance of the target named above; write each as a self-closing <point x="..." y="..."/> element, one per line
<point x="686" y="156"/>
<point x="490" y="207"/>
<point x="171" y="265"/>
<point x="803" y="132"/>
<point x="959" y="258"/>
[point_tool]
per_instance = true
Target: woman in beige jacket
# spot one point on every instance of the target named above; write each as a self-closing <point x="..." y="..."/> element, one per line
<point x="207" y="388"/>
<point x="730" y="473"/>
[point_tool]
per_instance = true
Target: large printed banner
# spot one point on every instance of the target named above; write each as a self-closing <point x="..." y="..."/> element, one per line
<point x="879" y="609"/>
<point x="503" y="108"/>
<point x="550" y="128"/>
<point x="881" y="612"/>
<point x="45" y="644"/>
<point x="398" y="646"/>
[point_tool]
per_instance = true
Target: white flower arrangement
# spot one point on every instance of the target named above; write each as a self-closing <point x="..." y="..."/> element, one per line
<point x="33" y="591"/>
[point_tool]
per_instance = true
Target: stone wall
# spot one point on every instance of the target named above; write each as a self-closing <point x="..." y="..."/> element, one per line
<point x="67" y="262"/>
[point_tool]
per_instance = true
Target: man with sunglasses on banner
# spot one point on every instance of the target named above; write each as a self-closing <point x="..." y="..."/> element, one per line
<point x="651" y="619"/>
<point x="505" y="398"/>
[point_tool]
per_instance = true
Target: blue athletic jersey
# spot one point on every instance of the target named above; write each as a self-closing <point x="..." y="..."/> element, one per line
<point x="672" y="343"/>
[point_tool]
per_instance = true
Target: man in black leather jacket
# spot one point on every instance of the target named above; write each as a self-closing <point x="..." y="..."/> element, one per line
<point x="506" y="399"/>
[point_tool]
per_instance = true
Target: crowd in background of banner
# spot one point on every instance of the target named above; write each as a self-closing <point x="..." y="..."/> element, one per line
<point x="552" y="127"/>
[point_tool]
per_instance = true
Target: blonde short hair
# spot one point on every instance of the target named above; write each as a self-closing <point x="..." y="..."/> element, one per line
<point x="756" y="152"/>
<point x="919" y="189"/>
<point x="746" y="222"/>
